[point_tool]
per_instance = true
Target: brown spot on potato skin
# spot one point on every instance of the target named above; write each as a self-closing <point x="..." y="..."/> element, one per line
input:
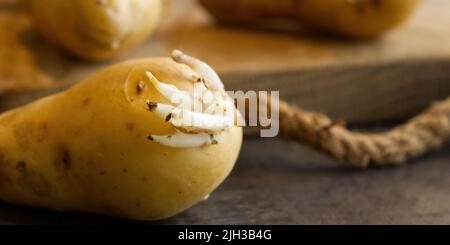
<point x="21" y="166"/>
<point x="130" y="126"/>
<point x="168" y="117"/>
<point x="86" y="101"/>
<point x="66" y="159"/>
<point x="140" y="87"/>
<point x="100" y="3"/>
<point x="377" y="3"/>
<point x="76" y="133"/>
<point x="151" y="105"/>
<point x="63" y="160"/>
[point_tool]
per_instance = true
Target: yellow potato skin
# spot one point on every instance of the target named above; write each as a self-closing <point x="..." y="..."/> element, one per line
<point x="95" y="29"/>
<point x="350" y="18"/>
<point x="356" y="18"/>
<point x="86" y="149"/>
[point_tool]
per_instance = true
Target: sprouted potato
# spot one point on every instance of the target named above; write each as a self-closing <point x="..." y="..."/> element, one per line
<point x="109" y="146"/>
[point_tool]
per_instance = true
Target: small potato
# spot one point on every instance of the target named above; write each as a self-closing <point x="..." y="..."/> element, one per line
<point x="95" y="29"/>
<point x="351" y="18"/>
<point x="94" y="147"/>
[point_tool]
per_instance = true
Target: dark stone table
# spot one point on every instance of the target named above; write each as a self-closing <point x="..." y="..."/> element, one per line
<point x="280" y="182"/>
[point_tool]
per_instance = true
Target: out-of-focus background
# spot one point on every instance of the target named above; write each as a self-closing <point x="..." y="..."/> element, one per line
<point x="378" y="82"/>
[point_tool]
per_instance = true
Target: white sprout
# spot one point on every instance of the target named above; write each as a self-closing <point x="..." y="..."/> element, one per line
<point x="186" y="118"/>
<point x="211" y="78"/>
<point x="170" y="92"/>
<point x="182" y="140"/>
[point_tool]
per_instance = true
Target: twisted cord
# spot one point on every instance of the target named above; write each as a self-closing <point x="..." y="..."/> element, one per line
<point x="421" y="134"/>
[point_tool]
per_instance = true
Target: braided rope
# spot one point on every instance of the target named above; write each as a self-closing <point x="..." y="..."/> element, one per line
<point x="421" y="134"/>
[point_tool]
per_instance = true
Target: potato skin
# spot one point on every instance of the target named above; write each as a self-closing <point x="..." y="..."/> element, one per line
<point x="86" y="149"/>
<point x="95" y="29"/>
<point x="357" y="18"/>
<point x="350" y="18"/>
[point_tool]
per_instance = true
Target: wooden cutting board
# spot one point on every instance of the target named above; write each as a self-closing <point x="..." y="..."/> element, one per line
<point x="390" y="78"/>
